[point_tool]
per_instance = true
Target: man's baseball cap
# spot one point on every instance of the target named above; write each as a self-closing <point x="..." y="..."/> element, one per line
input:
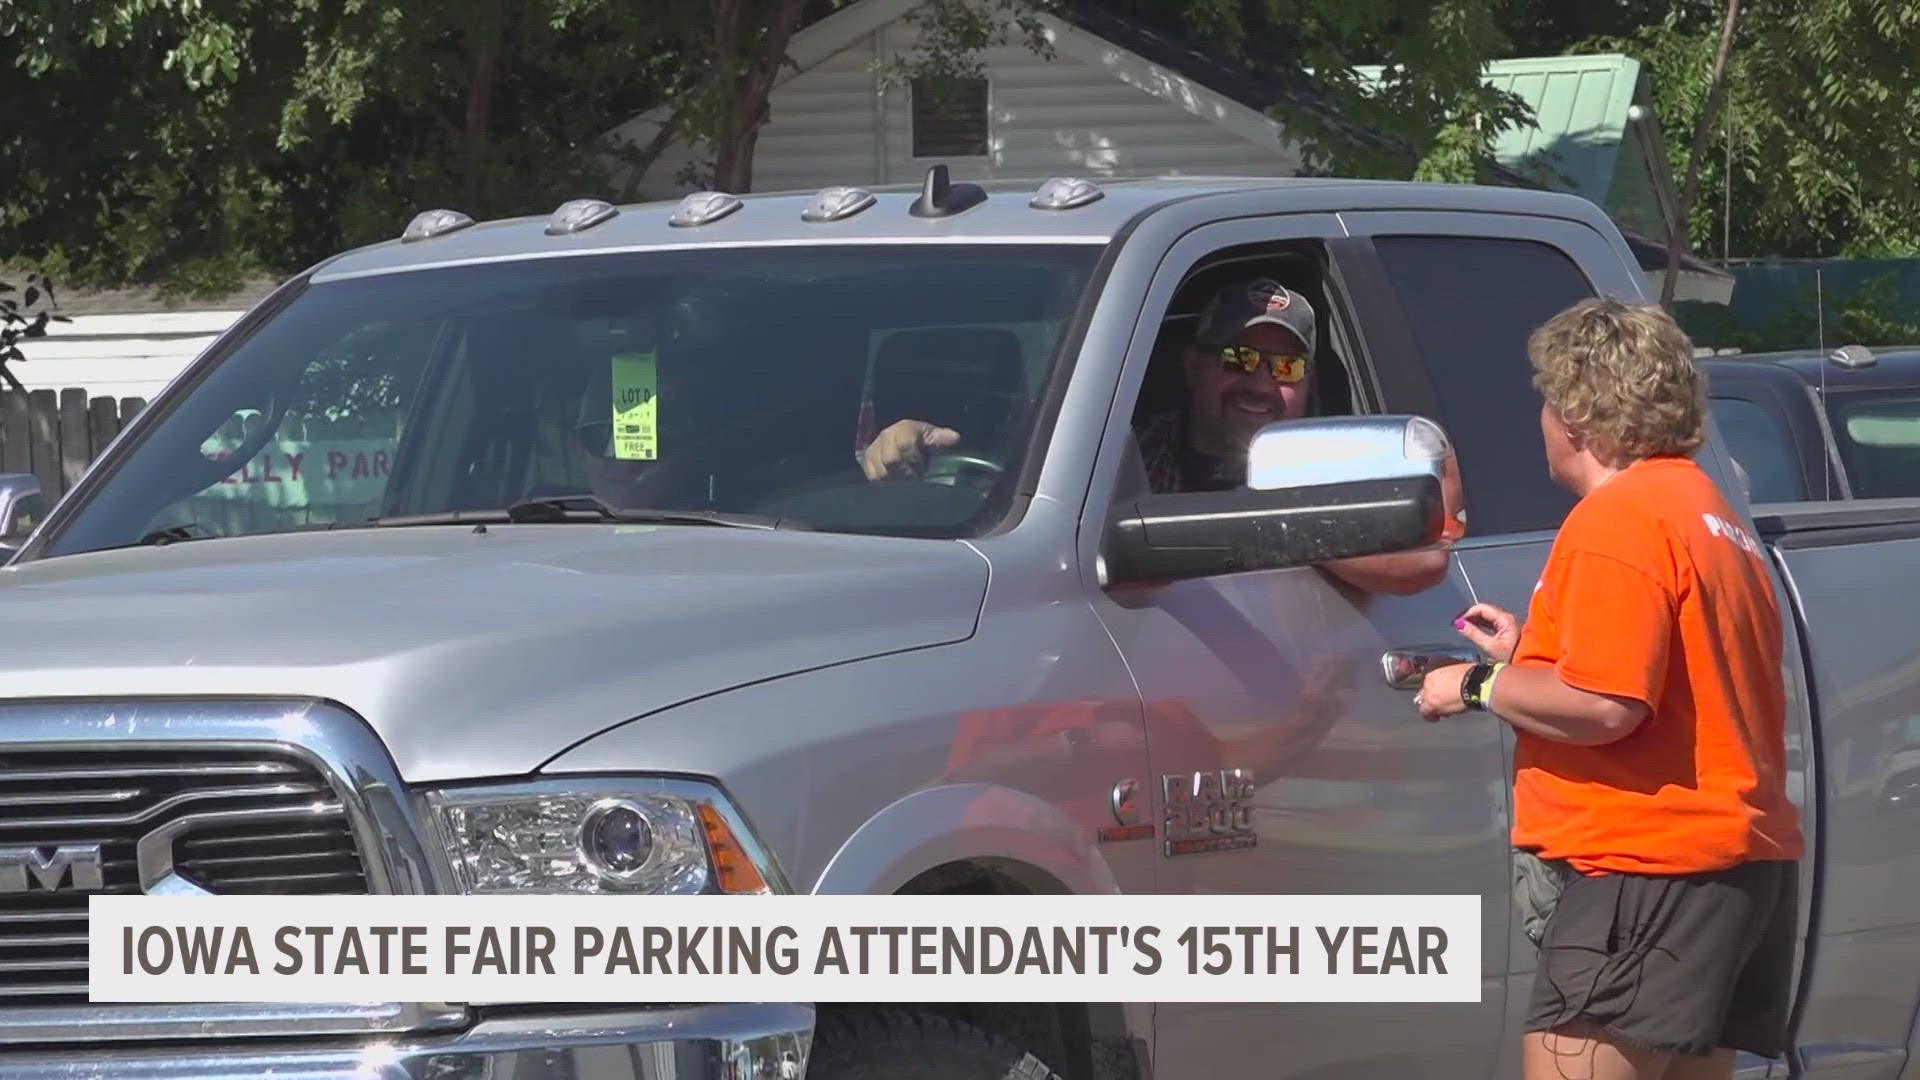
<point x="1250" y="303"/>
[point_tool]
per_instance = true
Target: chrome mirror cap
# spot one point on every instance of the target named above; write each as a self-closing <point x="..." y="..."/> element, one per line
<point x="1345" y="450"/>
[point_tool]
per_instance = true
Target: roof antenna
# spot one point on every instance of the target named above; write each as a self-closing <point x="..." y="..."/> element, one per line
<point x="1820" y="338"/>
<point x="941" y="197"/>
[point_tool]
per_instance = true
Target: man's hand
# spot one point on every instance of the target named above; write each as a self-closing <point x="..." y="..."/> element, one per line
<point x="900" y="449"/>
<point x="1498" y="645"/>
<point x="1439" y="695"/>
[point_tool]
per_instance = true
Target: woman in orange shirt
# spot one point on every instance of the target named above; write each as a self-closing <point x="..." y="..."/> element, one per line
<point x="1646" y="695"/>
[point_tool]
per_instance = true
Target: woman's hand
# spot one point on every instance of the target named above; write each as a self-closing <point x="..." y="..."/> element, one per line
<point x="1439" y="695"/>
<point x="1498" y="645"/>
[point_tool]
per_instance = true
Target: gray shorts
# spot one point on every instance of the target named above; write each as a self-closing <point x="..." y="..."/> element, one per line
<point x="1680" y="964"/>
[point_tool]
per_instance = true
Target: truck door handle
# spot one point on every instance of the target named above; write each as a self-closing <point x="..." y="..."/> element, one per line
<point x="1406" y="669"/>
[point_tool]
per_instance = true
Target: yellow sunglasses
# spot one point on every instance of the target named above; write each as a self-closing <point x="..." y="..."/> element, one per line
<point x="1286" y="367"/>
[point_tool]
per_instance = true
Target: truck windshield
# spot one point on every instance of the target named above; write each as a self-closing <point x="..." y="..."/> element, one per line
<point x="742" y="380"/>
<point x="1879" y="439"/>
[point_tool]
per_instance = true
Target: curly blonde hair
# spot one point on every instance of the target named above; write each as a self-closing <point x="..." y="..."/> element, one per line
<point x="1622" y="376"/>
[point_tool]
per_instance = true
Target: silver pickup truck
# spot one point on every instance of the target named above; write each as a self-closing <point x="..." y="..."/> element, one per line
<point x="537" y="556"/>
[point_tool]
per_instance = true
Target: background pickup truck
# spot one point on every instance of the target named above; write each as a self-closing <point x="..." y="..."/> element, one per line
<point x="622" y="548"/>
<point x="1813" y="426"/>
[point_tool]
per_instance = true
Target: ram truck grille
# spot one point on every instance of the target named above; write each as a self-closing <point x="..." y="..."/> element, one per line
<point x="78" y="822"/>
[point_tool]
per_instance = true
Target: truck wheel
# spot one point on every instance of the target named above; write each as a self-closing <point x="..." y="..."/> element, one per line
<point x="915" y="1046"/>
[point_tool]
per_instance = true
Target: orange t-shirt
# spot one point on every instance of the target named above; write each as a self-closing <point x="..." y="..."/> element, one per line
<point x="1655" y="591"/>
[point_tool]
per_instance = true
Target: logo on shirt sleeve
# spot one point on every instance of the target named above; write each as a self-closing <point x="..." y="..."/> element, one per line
<point x="1727" y="530"/>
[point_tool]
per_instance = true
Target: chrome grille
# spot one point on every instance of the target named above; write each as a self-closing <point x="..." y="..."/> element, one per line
<point x="255" y="820"/>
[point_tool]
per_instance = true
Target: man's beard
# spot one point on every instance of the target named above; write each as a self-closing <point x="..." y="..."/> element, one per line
<point x="1237" y="424"/>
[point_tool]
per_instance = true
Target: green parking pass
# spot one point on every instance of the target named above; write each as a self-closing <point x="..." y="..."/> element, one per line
<point x="636" y="397"/>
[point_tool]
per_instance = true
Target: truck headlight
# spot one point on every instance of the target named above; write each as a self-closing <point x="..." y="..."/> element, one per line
<point x="597" y="835"/>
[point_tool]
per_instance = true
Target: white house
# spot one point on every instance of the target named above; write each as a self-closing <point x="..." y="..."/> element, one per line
<point x="1096" y="109"/>
<point x="127" y="342"/>
<point x="1117" y="99"/>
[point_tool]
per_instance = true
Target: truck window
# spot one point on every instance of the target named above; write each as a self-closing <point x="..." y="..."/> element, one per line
<point x="1336" y="386"/>
<point x="329" y="456"/>
<point x="1879" y="440"/>
<point x="1470" y="304"/>
<point x="1763" y="448"/>
<point x="728" y="379"/>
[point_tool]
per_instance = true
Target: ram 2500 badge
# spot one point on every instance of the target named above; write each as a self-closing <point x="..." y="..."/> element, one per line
<point x="598" y="598"/>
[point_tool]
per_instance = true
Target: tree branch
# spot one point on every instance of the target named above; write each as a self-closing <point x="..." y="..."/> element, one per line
<point x="486" y="40"/>
<point x="650" y="153"/>
<point x="1701" y="126"/>
<point x="748" y="109"/>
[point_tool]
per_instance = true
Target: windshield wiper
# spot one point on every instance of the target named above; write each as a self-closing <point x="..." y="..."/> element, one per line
<point x="174" y="534"/>
<point x="558" y="508"/>
<point x="545" y="510"/>
<point x="442" y="517"/>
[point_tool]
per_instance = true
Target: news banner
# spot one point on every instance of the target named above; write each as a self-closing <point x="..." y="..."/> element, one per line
<point x="820" y="948"/>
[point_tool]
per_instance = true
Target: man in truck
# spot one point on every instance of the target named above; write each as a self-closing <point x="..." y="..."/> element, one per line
<point x="1655" y="846"/>
<point x="1249" y="363"/>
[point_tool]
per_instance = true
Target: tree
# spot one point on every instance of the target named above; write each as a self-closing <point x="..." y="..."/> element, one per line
<point x="1815" y="146"/>
<point x="1424" y="112"/>
<point x="233" y="137"/>
<point x="17" y="325"/>
<point x="230" y="138"/>
<point x="1715" y="83"/>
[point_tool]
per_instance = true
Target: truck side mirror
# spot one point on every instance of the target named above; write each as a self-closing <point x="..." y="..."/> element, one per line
<point x="22" y="517"/>
<point x="1317" y="490"/>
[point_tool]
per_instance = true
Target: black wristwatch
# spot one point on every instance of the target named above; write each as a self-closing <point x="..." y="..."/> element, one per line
<point x="1473" y="686"/>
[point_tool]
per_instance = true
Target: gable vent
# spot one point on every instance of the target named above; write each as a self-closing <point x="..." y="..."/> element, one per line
<point x="950" y="117"/>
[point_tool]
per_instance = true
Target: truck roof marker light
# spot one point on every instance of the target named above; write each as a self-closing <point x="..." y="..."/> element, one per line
<point x="940" y="197"/>
<point x="704" y="208"/>
<point x="1852" y="357"/>
<point x="733" y="869"/>
<point x="1066" y="193"/>
<point x="837" y="203"/>
<point x="579" y="215"/>
<point x="428" y="224"/>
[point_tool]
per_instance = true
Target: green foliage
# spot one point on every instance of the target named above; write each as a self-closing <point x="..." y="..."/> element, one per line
<point x="192" y="143"/>
<point x="1818" y="133"/>
<point x="954" y="35"/>
<point x="1429" y="115"/>
<point x="229" y="138"/>
<point x="20" y="322"/>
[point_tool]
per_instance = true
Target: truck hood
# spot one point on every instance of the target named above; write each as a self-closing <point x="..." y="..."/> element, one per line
<point x="478" y="654"/>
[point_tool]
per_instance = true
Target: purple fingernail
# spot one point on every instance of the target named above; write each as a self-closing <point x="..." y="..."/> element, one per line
<point x="1459" y="624"/>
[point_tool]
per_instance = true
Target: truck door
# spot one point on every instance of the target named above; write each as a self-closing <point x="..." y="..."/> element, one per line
<point x="1266" y="688"/>
<point x="1463" y="292"/>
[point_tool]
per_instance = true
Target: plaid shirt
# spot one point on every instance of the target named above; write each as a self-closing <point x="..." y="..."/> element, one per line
<point x="1173" y="466"/>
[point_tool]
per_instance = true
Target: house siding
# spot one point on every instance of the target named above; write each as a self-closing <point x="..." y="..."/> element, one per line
<point x="832" y="125"/>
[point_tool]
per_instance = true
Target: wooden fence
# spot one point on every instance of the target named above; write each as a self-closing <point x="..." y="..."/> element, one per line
<point x="55" y="435"/>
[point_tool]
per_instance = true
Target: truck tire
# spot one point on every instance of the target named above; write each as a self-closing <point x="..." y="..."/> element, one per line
<point x="903" y="1045"/>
